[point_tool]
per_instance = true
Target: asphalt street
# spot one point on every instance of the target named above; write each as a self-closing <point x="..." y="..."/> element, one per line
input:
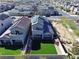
<point x="71" y="17"/>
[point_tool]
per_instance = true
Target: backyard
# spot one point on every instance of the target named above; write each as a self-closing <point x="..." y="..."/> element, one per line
<point x="4" y="51"/>
<point x="46" y="48"/>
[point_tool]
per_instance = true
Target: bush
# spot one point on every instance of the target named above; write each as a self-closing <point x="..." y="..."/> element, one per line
<point x="67" y="10"/>
<point x="61" y="7"/>
<point x="76" y="32"/>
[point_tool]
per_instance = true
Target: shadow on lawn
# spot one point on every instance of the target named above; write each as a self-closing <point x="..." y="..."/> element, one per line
<point x="11" y="47"/>
<point x="36" y="44"/>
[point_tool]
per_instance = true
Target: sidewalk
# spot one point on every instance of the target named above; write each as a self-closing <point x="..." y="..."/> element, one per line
<point x="60" y="49"/>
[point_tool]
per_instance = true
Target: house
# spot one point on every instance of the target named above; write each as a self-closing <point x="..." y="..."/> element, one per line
<point x="47" y="10"/>
<point x="72" y="8"/>
<point x="18" y="33"/>
<point x="76" y="10"/>
<point x="5" y="23"/>
<point x="6" y="6"/>
<point x="23" y="10"/>
<point x="67" y="5"/>
<point x="41" y="28"/>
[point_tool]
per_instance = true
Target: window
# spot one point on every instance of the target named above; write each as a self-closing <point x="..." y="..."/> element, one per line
<point x="18" y="32"/>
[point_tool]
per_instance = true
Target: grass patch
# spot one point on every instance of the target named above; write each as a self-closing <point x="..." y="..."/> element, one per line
<point x="45" y="49"/>
<point x="71" y="24"/>
<point x="4" y="51"/>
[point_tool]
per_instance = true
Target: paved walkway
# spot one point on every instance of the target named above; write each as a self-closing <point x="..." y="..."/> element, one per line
<point x="58" y="50"/>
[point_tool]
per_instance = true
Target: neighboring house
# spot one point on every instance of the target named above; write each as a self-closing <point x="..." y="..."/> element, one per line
<point x="23" y="10"/>
<point x="6" y="0"/>
<point x="18" y="33"/>
<point x="6" y="6"/>
<point x="76" y="10"/>
<point x="47" y="10"/>
<point x="5" y="23"/>
<point x="71" y="8"/>
<point x="68" y="5"/>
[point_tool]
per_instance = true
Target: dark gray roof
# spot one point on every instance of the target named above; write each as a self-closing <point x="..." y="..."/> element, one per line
<point x="23" y="23"/>
<point x="37" y="23"/>
<point x="3" y="16"/>
<point x="41" y="28"/>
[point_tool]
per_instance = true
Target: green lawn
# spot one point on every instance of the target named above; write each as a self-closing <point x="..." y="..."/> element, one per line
<point x="45" y="49"/>
<point x="4" y="51"/>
